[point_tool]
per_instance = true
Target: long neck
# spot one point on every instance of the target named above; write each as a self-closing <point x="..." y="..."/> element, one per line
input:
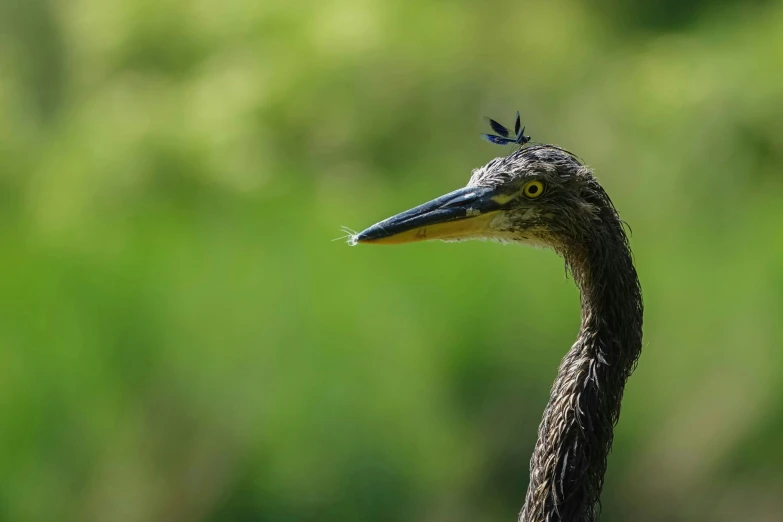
<point x="575" y="436"/>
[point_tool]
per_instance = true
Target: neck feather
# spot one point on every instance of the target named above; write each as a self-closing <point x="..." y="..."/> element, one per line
<point x="575" y="436"/>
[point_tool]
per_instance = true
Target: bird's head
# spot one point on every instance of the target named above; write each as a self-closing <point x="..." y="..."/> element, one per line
<point x="540" y="195"/>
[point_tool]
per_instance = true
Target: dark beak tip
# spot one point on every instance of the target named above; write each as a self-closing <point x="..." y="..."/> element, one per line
<point x="364" y="236"/>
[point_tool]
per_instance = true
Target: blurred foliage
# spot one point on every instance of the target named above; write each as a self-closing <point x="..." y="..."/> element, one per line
<point x="182" y="341"/>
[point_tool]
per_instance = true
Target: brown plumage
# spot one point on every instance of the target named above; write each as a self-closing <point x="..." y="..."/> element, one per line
<point x="544" y="196"/>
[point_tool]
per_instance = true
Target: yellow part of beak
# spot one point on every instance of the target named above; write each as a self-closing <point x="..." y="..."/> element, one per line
<point x="473" y="227"/>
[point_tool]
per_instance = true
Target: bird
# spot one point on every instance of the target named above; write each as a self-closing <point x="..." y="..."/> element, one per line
<point x="544" y="196"/>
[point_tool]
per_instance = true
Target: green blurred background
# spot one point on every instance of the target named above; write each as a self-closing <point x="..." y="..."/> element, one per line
<point x="183" y="341"/>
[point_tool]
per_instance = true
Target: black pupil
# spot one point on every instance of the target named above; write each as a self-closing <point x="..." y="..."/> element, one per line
<point x="533" y="189"/>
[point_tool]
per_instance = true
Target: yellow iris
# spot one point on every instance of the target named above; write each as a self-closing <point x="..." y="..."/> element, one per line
<point x="533" y="189"/>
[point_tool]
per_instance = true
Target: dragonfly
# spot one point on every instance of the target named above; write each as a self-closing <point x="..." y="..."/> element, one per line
<point x="505" y="134"/>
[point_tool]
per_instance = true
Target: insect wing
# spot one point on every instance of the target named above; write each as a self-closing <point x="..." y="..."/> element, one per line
<point x="517" y="125"/>
<point x="497" y="127"/>
<point x="497" y="140"/>
<point x="521" y="138"/>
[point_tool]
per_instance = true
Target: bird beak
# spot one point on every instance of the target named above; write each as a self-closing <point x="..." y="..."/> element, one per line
<point x="463" y="214"/>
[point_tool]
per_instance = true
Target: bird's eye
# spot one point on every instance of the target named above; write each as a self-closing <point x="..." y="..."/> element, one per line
<point x="533" y="189"/>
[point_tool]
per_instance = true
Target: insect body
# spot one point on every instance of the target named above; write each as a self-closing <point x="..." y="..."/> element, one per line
<point x="505" y="135"/>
